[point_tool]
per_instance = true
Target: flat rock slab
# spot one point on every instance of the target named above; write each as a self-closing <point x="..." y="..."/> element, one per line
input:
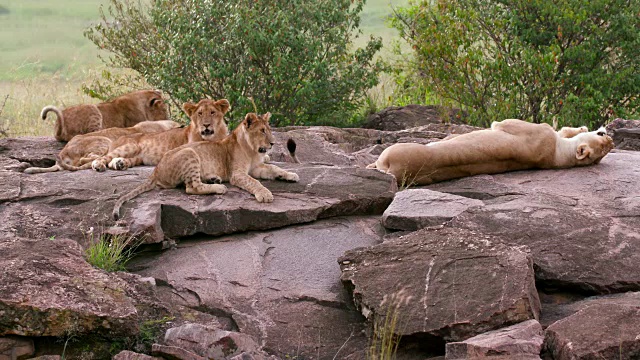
<point x="282" y="287"/>
<point x="48" y="289"/>
<point x="581" y="224"/>
<point x="69" y="204"/>
<point x="323" y="191"/>
<point x="520" y="341"/>
<point x="599" y="331"/>
<point x="448" y="283"/>
<point x="415" y="209"/>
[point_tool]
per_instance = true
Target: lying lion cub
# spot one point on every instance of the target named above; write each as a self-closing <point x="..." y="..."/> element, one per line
<point x="123" y="111"/>
<point x="239" y="159"/>
<point x="207" y="123"/>
<point x="83" y="149"/>
<point x="509" y="145"/>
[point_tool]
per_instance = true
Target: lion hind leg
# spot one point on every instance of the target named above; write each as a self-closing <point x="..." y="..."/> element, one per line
<point x="270" y="172"/>
<point x="125" y="151"/>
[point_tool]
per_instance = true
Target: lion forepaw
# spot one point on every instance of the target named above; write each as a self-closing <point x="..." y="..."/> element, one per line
<point x="264" y="196"/>
<point x="98" y="166"/>
<point x="118" y="164"/>
<point x="289" y="176"/>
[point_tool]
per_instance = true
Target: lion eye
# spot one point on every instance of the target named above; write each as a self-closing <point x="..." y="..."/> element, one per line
<point x="212" y="112"/>
<point x="264" y="131"/>
<point x="200" y="113"/>
<point x="601" y="133"/>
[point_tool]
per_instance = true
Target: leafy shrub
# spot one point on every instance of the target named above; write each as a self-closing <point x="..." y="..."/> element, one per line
<point x="293" y="57"/>
<point x="110" y="253"/>
<point x="572" y="61"/>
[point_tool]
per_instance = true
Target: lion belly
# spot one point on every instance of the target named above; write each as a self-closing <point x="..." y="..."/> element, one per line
<point x="480" y="152"/>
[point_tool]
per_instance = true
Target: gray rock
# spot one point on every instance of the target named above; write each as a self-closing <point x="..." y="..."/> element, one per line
<point x="448" y="283"/>
<point x="281" y="287"/>
<point x="68" y="204"/>
<point x="130" y="355"/>
<point x="519" y="341"/>
<point x="321" y="193"/>
<point x="58" y="357"/>
<point x="210" y="342"/>
<point x="599" y="331"/>
<point x="48" y="289"/>
<point x="38" y="151"/>
<point x="15" y="347"/>
<point x="581" y="224"/>
<point x="415" y="209"/>
<point x="625" y="134"/>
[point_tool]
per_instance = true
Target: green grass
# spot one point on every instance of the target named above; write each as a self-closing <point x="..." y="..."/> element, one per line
<point x="46" y="58"/>
<point x="110" y="253"/>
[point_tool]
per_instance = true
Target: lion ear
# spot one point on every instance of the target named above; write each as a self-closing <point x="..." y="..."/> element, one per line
<point x="154" y="101"/>
<point x="583" y="151"/>
<point x="267" y="116"/>
<point x="224" y="105"/>
<point x="189" y="108"/>
<point x="248" y="120"/>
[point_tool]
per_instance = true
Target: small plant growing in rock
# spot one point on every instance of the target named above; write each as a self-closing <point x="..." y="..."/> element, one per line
<point x="110" y="253"/>
<point x="385" y="341"/>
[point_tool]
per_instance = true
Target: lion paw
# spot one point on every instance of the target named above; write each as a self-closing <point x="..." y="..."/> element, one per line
<point x="118" y="164"/>
<point x="264" y="196"/>
<point x="98" y="166"/>
<point x="289" y="176"/>
<point x="213" y="180"/>
<point x="219" y="189"/>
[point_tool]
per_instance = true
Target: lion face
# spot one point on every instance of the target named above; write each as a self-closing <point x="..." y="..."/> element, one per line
<point x="207" y="117"/>
<point x="593" y="146"/>
<point x="259" y="132"/>
<point x="155" y="107"/>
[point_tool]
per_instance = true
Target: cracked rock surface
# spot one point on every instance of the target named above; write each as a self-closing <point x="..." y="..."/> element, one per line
<point x="282" y="286"/>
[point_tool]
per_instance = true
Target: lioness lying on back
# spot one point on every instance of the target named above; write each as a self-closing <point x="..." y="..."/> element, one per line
<point x="83" y="149"/>
<point x="123" y="111"/>
<point x="509" y="145"/>
<point x="207" y="123"/>
<point x="239" y="159"/>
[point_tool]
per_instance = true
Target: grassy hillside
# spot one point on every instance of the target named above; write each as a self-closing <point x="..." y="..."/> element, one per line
<point x="45" y="57"/>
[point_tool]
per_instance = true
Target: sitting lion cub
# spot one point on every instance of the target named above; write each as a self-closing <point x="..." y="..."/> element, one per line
<point x="80" y="151"/>
<point x="239" y="159"/>
<point x="207" y="123"/>
<point x="123" y="111"/>
<point x="509" y="145"/>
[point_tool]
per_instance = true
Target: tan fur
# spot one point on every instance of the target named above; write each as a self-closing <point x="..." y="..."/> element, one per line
<point x="123" y="111"/>
<point x="509" y="145"/>
<point x="80" y="151"/>
<point x="239" y="159"/>
<point x="207" y="123"/>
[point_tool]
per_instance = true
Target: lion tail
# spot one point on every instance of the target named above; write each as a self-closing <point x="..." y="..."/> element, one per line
<point x="372" y="166"/>
<point x="37" y="170"/>
<point x="65" y="166"/>
<point x="55" y="110"/>
<point x="291" y="147"/>
<point x="142" y="188"/>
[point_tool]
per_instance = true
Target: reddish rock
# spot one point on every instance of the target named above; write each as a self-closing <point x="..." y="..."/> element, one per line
<point x="451" y="284"/>
<point x="520" y="341"/>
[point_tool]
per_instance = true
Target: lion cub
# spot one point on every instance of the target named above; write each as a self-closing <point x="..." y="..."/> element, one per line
<point x="239" y="159"/>
<point x="80" y="151"/>
<point x="207" y="123"/>
<point x="123" y="111"/>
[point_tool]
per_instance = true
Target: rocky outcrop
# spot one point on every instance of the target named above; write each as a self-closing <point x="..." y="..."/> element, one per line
<point x="47" y="289"/>
<point x="322" y="192"/>
<point x="520" y="341"/>
<point x="463" y="283"/>
<point x="625" y="134"/>
<point x="261" y="280"/>
<point x="282" y="287"/>
<point x="396" y="118"/>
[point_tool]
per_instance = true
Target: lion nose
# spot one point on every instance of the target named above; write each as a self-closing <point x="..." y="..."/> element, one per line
<point x="206" y="126"/>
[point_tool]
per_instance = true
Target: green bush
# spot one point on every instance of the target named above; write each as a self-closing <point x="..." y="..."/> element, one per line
<point x="572" y="61"/>
<point x="293" y="57"/>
